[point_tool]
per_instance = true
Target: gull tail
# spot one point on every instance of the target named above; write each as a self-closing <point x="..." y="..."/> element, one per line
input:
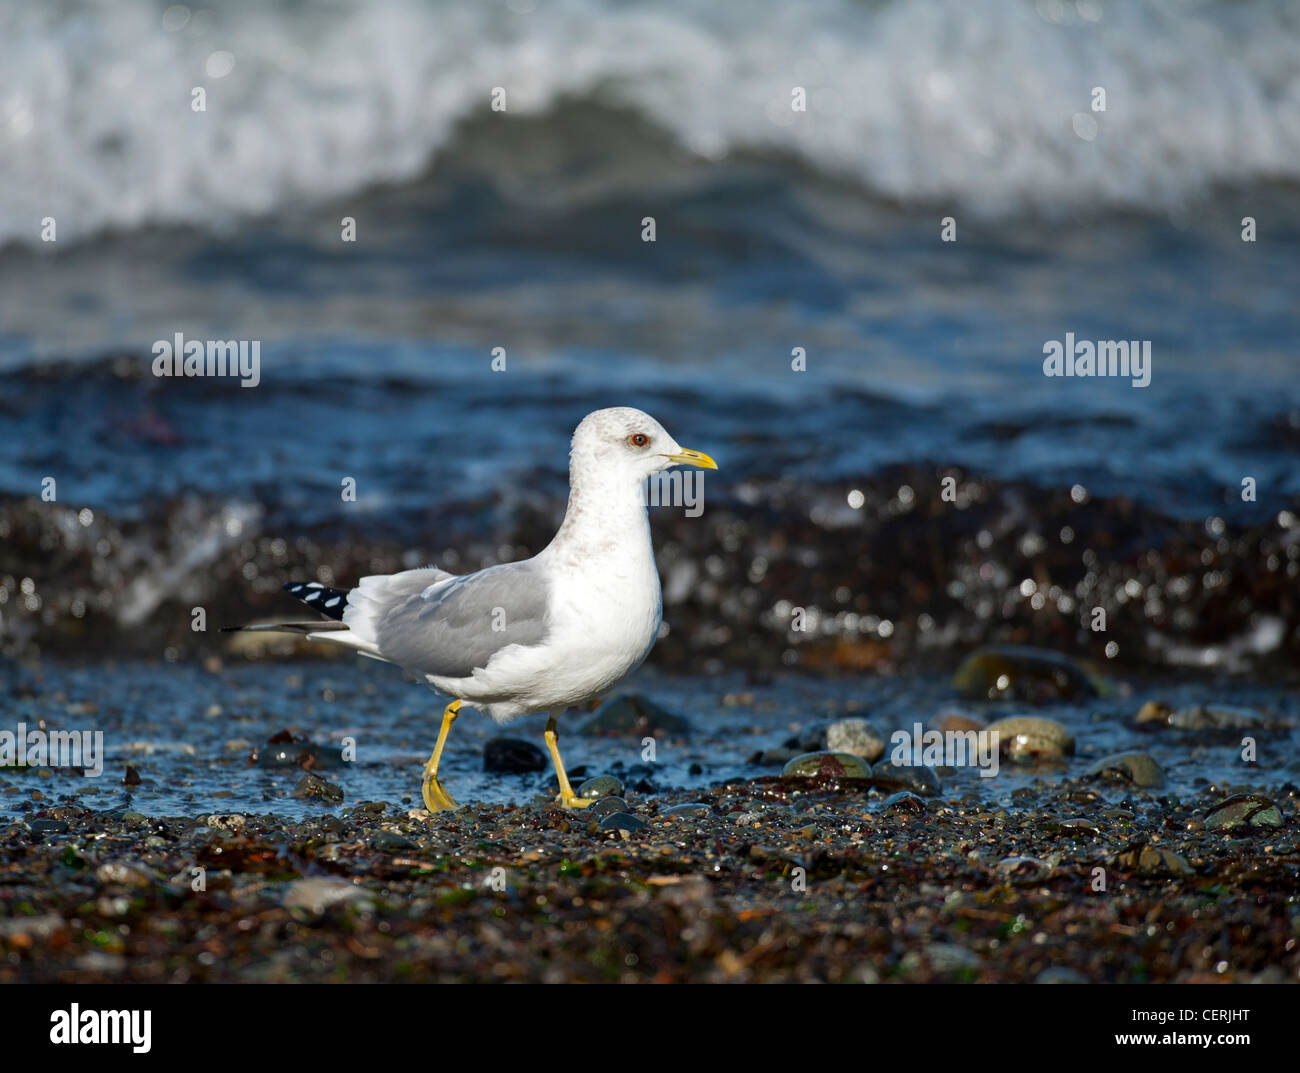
<point x="288" y="627"/>
<point x="331" y="602"/>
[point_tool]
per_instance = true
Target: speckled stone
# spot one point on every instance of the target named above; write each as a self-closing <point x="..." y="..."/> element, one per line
<point x="313" y="786"/>
<point x="855" y="736"/>
<point x="827" y="764"/>
<point x="1243" y="811"/>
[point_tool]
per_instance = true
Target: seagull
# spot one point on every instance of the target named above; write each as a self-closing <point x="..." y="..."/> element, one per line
<point x="538" y="635"/>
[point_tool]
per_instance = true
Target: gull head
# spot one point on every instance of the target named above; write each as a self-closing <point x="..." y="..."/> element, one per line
<point x="622" y="441"/>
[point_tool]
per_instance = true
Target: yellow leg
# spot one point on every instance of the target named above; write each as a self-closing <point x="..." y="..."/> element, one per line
<point x="436" y="799"/>
<point x="568" y="799"/>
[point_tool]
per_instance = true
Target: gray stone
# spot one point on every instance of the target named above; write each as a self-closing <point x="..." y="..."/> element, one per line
<point x="1012" y="672"/>
<point x="313" y="786"/>
<point x="827" y="765"/>
<point x="904" y="803"/>
<point x="391" y="841"/>
<point x="1030" y="737"/>
<point x="1060" y="974"/>
<point x="636" y="717"/>
<point x="124" y="874"/>
<point x="622" y="821"/>
<point x="920" y="780"/>
<point x="512" y="756"/>
<point x="855" y="736"/>
<point x="1140" y="769"/>
<point x="1242" y="812"/>
<point x="690" y="810"/>
<point x="600" y="786"/>
<point x="605" y="806"/>
<point x="1215" y="717"/>
<point x="318" y="894"/>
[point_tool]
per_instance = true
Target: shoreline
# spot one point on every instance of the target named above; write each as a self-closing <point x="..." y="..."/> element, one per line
<point x="770" y="880"/>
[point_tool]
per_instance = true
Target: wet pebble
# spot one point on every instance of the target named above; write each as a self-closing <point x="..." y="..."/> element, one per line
<point x="132" y="777"/>
<point x="1023" y="869"/>
<point x="1151" y="860"/>
<point x="1200" y="717"/>
<point x="39" y="927"/>
<point x="600" y="786"/>
<point x="957" y="722"/>
<point x="1139" y="769"/>
<point x="48" y="827"/>
<point x="1060" y="974"/>
<point x="1243" y="811"/>
<point x="303" y="754"/>
<point x="316" y="895"/>
<point x="314" y="787"/>
<point x="1215" y="717"/>
<point x="904" y="803"/>
<point x="690" y="810"/>
<point x="1030" y="737"/>
<point x="825" y="765"/>
<point x="1011" y="672"/>
<point x="1122" y="814"/>
<point x="392" y="842"/>
<point x="811" y="738"/>
<point x="855" y="736"/>
<point x="512" y="756"/>
<point x="124" y="874"/>
<point x="605" y="806"/>
<point x="920" y="780"/>
<point x="1154" y="711"/>
<point x="622" y="821"/>
<point x="635" y="716"/>
<point x="944" y="958"/>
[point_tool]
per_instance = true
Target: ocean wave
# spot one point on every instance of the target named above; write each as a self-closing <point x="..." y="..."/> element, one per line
<point x="986" y="107"/>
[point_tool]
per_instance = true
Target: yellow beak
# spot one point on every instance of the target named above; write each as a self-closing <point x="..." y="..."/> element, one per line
<point x="691" y="458"/>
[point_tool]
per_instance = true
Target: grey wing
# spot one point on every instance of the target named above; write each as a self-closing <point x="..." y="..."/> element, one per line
<point x="450" y="626"/>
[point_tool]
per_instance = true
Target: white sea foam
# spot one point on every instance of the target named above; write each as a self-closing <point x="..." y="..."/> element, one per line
<point x="968" y="103"/>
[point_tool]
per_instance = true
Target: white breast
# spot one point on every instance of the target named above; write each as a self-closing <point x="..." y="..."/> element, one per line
<point x="603" y="615"/>
<point x="612" y="617"/>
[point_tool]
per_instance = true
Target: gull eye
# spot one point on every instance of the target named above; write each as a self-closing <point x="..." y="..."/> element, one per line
<point x="638" y="439"/>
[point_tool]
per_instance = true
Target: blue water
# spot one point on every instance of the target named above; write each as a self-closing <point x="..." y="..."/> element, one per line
<point x="522" y="230"/>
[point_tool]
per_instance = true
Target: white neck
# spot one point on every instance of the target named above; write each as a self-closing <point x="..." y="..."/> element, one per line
<point x="606" y="517"/>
